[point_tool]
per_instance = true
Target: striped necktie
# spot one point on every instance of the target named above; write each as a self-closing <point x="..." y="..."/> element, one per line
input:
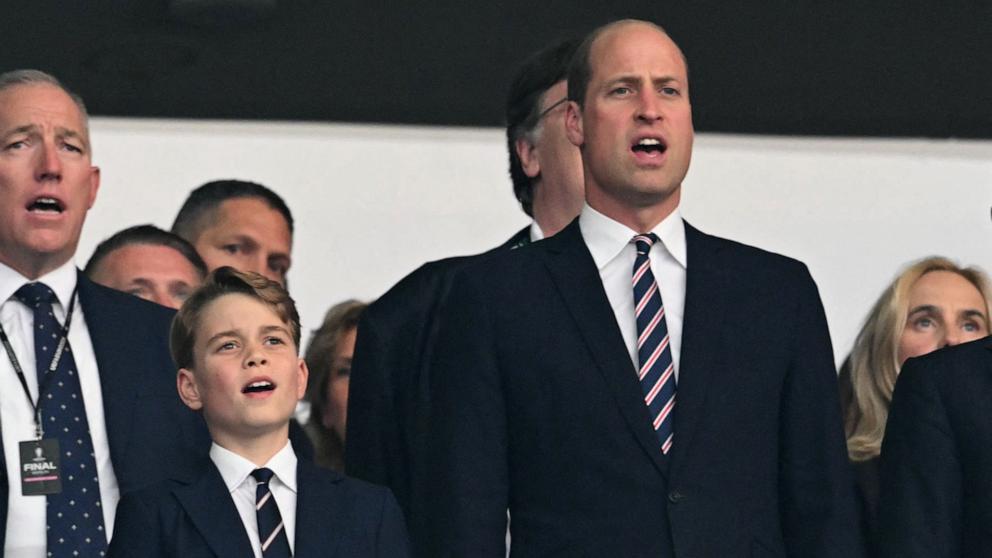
<point x="657" y="369"/>
<point x="271" y="531"/>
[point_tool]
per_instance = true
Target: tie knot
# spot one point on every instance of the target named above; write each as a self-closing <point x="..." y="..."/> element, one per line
<point x="35" y="294"/>
<point x="643" y="242"/>
<point x="262" y="475"/>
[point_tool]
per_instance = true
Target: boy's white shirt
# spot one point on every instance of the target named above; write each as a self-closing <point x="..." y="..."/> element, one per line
<point x="236" y="472"/>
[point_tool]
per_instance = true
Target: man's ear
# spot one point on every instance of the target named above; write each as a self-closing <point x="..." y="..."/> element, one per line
<point x="94" y="186"/>
<point x="529" y="161"/>
<point x="188" y="390"/>
<point x="573" y="124"/>
<point x="303" y="376"/>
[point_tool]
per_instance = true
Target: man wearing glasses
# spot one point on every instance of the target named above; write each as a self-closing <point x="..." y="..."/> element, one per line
<point x="387" y="409"/>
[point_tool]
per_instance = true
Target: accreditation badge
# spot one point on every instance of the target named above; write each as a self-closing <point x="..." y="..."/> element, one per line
<point x="40" y="467"/>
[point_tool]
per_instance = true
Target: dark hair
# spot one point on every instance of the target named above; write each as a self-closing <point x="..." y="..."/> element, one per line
<point x="146" y="235"/>
<point x="224" y="281"/>
<point x="199" y="207"/>
<point x="534" y="77"/>
<point x="580" y="72"/>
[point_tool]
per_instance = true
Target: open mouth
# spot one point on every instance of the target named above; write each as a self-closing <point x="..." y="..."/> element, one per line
<point x="258" y="386"/>
<point x="650" y="146"/>
<point x="47" y="205"/>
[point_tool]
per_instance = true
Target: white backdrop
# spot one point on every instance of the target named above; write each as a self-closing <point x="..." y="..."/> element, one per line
<point x="373" y="202"/>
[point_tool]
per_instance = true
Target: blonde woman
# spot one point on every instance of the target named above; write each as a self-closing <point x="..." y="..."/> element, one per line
<point x="329" y="357"/>
<point x="931" y="304"/>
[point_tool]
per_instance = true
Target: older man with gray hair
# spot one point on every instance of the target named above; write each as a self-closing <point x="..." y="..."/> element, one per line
<point x="87" y="386"/>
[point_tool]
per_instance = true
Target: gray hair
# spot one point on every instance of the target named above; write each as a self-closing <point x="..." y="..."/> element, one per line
<point x="14" y="78"/>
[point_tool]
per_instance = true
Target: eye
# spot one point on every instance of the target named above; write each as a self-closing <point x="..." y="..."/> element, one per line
<point x="973" y="327"/>
<point x="342" y="371"/>
<point x="181" y="294"/>
<point x="227" y="346"/>
<point x="274" y="341"/>
<point x="670" y="91"/>
<point x="71" y="147"/>
<point x="16" y="145"/>
<point x="231" y="248"/>
<point x="925" y="322"/>
<point x="621" y="91"/>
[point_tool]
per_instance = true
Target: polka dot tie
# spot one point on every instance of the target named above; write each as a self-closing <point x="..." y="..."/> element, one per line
<point x="74" y="516"/>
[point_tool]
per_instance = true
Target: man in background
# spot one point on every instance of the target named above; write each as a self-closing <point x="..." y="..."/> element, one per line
<point x="149" y="263"/>
<point x="241" y="224"/>
<point x="388" y="419"/>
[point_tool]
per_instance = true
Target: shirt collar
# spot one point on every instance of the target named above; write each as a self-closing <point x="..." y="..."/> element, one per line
<point x="607" y="238"/>
<point x="234" y="469"/>
<point x="535" y="232"/>
<point x="61" y="280"/>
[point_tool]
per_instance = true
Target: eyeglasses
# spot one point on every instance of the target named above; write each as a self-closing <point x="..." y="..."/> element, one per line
<point x="555" y="105"/>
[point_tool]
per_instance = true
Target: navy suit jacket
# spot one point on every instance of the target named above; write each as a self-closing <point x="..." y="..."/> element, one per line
<point x="388" y="394"/>
<point x="195" y="517"/>
<point x="149" y="430"/>
<point x="936" y="473"/>
<point x="537" y="409"/>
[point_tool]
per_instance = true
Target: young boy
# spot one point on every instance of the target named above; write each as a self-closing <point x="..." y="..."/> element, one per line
<point x="235" y="341"/>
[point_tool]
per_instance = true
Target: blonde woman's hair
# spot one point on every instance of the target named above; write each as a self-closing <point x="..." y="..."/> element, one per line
<point x="873" y="365"/>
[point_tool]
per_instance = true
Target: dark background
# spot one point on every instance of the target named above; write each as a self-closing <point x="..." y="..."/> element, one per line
<point x="907" y="68"/>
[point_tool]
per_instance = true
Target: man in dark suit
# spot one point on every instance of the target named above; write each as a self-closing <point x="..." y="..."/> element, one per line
<point x="633" y="386"/>
<point x="107" y="407"/>
<point x="936" y="492"/>
<point x="386" y="429"/>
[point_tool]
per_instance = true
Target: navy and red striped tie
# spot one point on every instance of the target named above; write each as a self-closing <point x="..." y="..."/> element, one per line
<point x="657" y="369"/>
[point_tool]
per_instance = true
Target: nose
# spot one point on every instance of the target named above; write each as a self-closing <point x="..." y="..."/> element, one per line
<point x="952" y="338"/>
<point x="255" y="357"/>
<point x="258" y="263"/>
<point x="49" y="165"/>
<point x="164" y="299"/>
<point x="648" y="107"/>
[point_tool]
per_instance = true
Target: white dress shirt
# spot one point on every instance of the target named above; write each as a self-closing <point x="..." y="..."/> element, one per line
<point x="535" y="232"/>
<point x="236" y="472"/>
<point x="613" y="252"/>
<point x="26" y="514"/>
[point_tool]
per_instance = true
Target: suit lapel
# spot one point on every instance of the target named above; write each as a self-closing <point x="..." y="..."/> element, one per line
<point x="575" y="274"/>
<point x="212" y="512"/>
<point x="319" y="520"/>
<point x="120" y="380"/>
<point x="706" y="301"/>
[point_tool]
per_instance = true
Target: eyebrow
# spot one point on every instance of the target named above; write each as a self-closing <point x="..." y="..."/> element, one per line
<point x="924" y="308"/>
<point x="70" y="133"/>
<point x="973" y="313"/>
<point x="228" y="333"/>
<point x="271" y="328"/>
<point x="637" y="79"/>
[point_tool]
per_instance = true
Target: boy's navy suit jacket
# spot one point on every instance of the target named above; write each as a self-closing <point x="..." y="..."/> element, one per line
<point x="195" y="516"/>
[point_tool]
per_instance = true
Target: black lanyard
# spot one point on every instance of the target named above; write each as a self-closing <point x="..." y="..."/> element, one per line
<point x="51" y="367"/>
